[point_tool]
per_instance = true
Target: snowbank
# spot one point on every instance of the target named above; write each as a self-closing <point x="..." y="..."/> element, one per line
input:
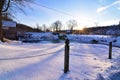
<point x="101" y="39"/>
<point x="1" y="42"/>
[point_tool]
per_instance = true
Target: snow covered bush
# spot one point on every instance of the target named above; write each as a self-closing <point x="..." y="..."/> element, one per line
<point x="94" y="41"/>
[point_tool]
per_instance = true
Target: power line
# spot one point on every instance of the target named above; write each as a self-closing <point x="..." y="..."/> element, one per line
<point x="58" y="11"/>
<point x="55" y="10"/>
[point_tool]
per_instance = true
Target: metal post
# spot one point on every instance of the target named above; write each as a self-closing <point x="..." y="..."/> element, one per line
<point x="110" y="51"/>
<point x="66" y="57"/>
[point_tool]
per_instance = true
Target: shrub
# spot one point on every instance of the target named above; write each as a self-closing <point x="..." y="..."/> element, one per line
<point x="94" y="41"/>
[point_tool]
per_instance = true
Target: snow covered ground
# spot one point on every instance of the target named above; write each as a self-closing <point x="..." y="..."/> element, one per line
<point x="101" y="39"/>
<point x="45" y="61"/>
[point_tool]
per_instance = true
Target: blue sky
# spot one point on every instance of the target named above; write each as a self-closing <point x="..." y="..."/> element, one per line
<point x="86" y="12"/>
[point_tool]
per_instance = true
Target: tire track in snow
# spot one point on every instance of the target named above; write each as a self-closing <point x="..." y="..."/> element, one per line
<point x="36" y="68"/>
<point x="46" y="52"/>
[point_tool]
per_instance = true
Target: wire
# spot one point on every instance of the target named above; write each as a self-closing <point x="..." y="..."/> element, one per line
<point x="58" y="11"/>
<point x="55" y="10"/>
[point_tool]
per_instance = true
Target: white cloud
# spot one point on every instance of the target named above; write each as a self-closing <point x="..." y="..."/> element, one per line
<point x="116" y="2"/>
<point x="103" y="8"/>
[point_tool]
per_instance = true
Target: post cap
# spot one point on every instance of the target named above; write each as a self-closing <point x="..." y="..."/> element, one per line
<point x="67" y="41"/>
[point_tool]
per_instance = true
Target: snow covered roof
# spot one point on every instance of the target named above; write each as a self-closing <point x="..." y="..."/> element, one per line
<point x="8" y="23"/>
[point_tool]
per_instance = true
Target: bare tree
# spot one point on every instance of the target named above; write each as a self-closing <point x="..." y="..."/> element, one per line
<point x="10" y="6"/>
<point x="44" y="27"/>
<point x="39" y="28"/>
<point x="71" y="24"/>
<point x="51" y="28"/>
<point x="7" y="17"/>
<point x="57" y="25"/>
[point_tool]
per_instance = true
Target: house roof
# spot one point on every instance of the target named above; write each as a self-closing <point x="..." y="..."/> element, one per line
<point x="8" y="23"/>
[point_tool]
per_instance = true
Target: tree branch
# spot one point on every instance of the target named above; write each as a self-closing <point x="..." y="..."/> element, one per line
<point x="8" y="4"/>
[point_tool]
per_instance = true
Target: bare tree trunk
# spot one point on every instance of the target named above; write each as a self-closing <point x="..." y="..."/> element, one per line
<point x="1" y="32"/>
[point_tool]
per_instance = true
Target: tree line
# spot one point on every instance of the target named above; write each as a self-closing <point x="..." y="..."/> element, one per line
<point x="57" y="26"/>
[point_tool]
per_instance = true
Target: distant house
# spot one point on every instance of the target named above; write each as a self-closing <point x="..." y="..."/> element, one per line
<point x="9" y="29"/>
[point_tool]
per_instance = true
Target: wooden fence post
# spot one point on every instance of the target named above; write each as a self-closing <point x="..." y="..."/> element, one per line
<point x="66" y="57"/>
<point x="110" y="51"/>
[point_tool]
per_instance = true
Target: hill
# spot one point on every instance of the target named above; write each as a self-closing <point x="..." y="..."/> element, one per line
<point x="102" y="30"/>
<point x="21" y="28"/>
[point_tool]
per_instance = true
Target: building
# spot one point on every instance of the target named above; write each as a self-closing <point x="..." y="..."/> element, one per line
<point x="9" y="29"/>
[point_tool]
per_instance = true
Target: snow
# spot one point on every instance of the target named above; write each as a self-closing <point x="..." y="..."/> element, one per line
<point x="102" y="39"/>
<point x="45" y="60"/>
<point x="38" y="36"/>
<point x="8" y="23"/>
